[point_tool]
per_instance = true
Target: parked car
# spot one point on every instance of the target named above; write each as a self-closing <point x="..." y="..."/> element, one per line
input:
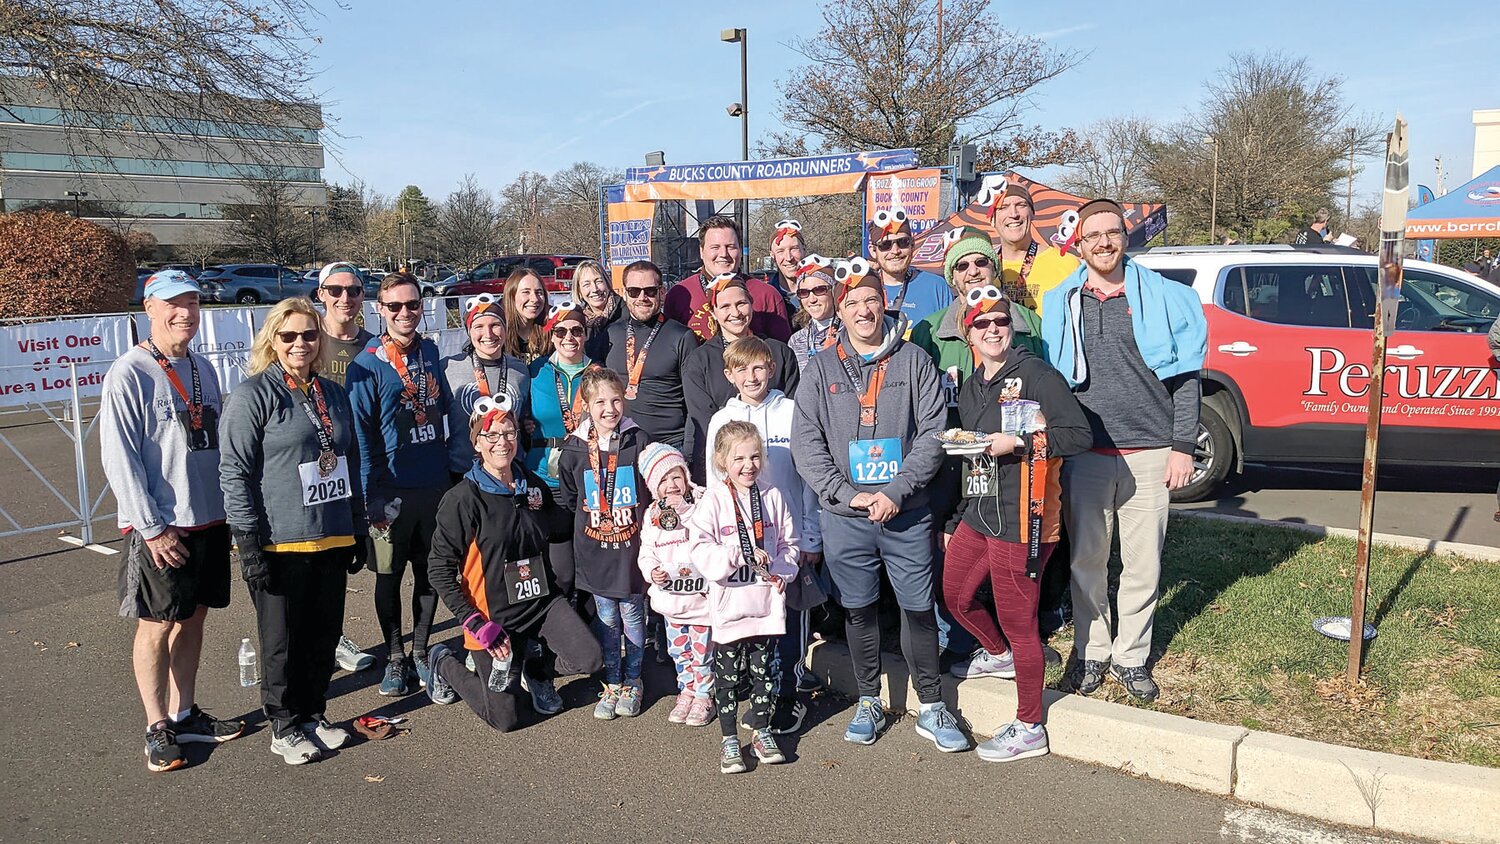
<point x="250" y="284"/>
<point x="139" y="296"/>
<point x="1287" y="375"/>
<point x="489" y="277"/>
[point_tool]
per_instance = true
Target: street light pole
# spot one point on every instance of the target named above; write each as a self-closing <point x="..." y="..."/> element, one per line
<point x="1213" y="206"/>
<point x="742" y="37"/>
<point x="1349" y="195"/>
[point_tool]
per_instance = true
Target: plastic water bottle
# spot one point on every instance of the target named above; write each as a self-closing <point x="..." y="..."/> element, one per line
<point x="500" y="674"/>
<point x="249" y="665"/>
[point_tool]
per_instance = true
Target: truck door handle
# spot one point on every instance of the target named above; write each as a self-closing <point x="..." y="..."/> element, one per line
<point x="1240" y="348"/>
<point x="1405" y="352"/>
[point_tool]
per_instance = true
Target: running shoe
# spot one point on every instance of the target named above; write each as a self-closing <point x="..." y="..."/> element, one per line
<point x="765" y="749"/>
<point x="544" y="697"/>
<point x="868" y="721"/>
<point x="982" y="663"/>
<point x="162" y="750"/>
<point x="1015" y="741"/>
<point x="438" y="689"/>
<point x="1136" y="680"/>
<point x="1087" y="675"/>
<point x="202" y="728"/>
<point x="679" y="711"/>
<point x="809" y="682"/>
<point x="1050" y="656"/>
<point x="629" y="704"/>
<point x="350" y="657"/>
<point x="604" y="710"/>
<point x="940" y="726"/>
<point x="423" y="667"/>
<point x="788" y="715"/>
<point x="294" y="748"/>
<point x="326" y="735"/>
<point x="730" y="760"/>
<point x="701" y="713"/>
<point x="394" y="684"/>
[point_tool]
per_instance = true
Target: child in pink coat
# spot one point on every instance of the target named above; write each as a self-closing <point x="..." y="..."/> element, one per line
<point x="745" y="544"/>
<point x="678" y="590"/>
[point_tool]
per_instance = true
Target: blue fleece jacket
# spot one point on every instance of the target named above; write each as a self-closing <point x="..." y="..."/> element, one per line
<point x="389" y="459"/>
<point x="1170" y="329"/>
<point x="926" y="293"/>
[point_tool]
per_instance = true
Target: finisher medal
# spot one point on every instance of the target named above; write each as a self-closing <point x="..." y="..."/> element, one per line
<point x="668" y="519"/>
<point x="327" y="462"/>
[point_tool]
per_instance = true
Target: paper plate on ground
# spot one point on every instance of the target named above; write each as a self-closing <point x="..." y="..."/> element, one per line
<point x="1337" y="627"/>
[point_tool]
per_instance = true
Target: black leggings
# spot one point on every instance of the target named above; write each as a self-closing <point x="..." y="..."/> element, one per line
<point x="565" y="639"/>
<point x="298" y="615"/>
<point x="749" y="660"/>
<point x="918" y="644"/>
<point x="388" y="608"/>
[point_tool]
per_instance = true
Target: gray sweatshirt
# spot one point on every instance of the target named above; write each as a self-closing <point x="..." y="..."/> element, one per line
<point x="265" y="436"/>
<point x="909" y="408"/>
<point x="459" y="370"/>
<point x="157" y="481"/>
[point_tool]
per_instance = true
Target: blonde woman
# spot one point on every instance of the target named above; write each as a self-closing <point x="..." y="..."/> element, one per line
<point x="602" y="306"/>
<point x="294" y="505"/>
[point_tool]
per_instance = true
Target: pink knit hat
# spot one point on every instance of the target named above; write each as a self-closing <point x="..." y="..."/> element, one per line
<point x="656" y="461"/>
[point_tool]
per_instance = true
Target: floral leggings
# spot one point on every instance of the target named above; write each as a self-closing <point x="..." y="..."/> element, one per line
<point x="616" y="619"/>
<point x="733" y="660"/>
<point x="692" y="652"/>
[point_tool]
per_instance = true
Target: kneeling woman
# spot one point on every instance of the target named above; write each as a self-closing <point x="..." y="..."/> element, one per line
<point x="1006" y="524"/>
<point x="489" y="563"/>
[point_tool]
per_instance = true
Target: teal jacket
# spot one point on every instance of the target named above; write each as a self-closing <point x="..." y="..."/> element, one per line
<point x="1170" y="330"/>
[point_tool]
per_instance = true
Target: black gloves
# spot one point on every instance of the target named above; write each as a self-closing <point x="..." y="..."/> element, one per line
<point x="361" y="557"/>
<point x="253" y="566"/>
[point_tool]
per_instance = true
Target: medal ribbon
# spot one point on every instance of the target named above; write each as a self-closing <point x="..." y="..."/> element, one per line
<point x="871" y="390"/>
<point x="747" y="550"/>
<point x="635" y="364"/>
<point x="414" y="393"/>
<point x="604" y="481"/>
<point x="482" y="382"/>
<point x="194" y="404"/>
<point x="571" y="411"/>
<point x="1020" y="292"/>
<point x="315" y="406"/>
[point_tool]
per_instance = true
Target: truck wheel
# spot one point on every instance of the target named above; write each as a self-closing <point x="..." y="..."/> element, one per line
<point x="1212" y="459"/>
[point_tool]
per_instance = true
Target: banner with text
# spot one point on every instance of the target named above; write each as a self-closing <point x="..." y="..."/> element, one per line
<point x="917" y="192"/>
<point x="627" y="232"/>
<point x="815" y="175"/>
<point x="35" y="356"/>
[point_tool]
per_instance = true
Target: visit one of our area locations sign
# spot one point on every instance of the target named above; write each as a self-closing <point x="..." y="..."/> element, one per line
<point x="38" y="359"/>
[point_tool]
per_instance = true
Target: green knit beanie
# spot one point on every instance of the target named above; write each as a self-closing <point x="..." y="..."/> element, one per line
<point x="967" y="241"/>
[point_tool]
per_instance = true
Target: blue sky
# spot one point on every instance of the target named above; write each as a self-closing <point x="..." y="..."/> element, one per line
<point x="426" y="92"/>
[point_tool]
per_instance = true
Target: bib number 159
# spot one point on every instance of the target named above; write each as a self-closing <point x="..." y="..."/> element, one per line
<point x="423" y="434"/>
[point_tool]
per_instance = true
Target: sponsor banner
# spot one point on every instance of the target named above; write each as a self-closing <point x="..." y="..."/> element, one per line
<point x="1471" y="210"/>
<point x="777" y="178"/>
<point x="35" y="357"/>
<point x="1426" y="250"/>
<point x="917" y="192"/>
<point x="1453" y="227"/>
<point x="627" y="232"/>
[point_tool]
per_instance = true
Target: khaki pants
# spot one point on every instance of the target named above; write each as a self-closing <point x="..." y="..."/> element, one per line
<point x="1097" y="490"/>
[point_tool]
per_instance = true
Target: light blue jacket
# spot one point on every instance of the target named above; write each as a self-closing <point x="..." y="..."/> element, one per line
<point x="1170" y="330"/>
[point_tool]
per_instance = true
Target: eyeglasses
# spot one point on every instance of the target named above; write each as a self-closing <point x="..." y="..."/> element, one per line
<point x="963" y="266"/>
<point x="339" y="291"/>
<point x="642" y="292"/>
<point x="568" y="331"/>
<point x="414" y="306"/>
<point x="1093" y="237"/>
<point x="308" y="336"/>
<point x="493" y="437"/>
<point x="893" y="243"/>
<point x="816" y="290"/>
<point x="986" y="323"/>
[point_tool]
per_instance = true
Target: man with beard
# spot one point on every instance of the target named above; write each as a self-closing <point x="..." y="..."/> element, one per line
<point x="909" y="292"/>
<point x="719" y="247"/>
<point x="1130" y="343"/>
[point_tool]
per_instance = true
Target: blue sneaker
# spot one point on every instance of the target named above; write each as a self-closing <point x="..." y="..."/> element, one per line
<point x="394" y="684"/>
<point x="438" y="688"/>
<point x="423" y="666"/>
<point x="941" y="728"/>
<point x="868" y="721"/>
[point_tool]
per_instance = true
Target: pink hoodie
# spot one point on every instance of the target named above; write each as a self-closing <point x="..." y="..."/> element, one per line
<point x="672" y="552"/>
<point x="741" y="610"/>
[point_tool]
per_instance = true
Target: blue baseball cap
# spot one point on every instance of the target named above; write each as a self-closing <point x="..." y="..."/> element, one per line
<point x="168" y="284"/>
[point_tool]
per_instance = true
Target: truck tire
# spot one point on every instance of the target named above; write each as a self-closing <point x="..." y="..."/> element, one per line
<point x="1212" y="459"/>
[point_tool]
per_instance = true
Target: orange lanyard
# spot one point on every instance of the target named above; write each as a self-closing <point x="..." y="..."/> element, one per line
<point x="635" y="364"/>
<point x="871" y="390"/>
<point x="416" y="395"/>
<point x="195" y="403"/>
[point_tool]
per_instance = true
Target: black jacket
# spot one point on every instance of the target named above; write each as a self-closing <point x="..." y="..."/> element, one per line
<point x="1024" y="376"/>
<point x="605" y="567"/>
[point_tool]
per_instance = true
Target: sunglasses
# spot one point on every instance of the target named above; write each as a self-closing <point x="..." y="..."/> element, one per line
<point x="817" y="290"/>
<point x="642" y="292"/>
<point x="981" y="262"/>
<point x="568" y="331"/>
<point x="308" y="336"/>
<point x="414" y="306"/>
<point x="339" y="291"/>
<point x="986" y="323"/>
<point x="893" y="243"/>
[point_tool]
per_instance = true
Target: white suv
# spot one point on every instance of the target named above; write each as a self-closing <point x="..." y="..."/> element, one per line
<point x="1290" y="343"/>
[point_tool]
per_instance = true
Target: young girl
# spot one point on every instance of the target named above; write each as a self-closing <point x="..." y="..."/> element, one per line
<point x="745" y="544"/>
<point x="598" y="483"/>
<point x="678" y="591"/>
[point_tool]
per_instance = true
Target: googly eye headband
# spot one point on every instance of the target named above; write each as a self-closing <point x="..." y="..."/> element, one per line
<point x="786" y="228"/>
<point x="485" y="304"/>
<point x="984" y="300"/>
<point x="812" y="264"/>
<point x="852" y="274"/>
<point x="721" y="283"/>
<point x="887" y="223"/>
<point x="994" y="190"/>
<point x="491" y="411"/>
<point x="568" y="309"/>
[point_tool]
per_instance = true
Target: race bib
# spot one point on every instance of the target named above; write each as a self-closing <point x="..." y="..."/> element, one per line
<point x="742" y="576"/>
<point x="685" y="581"/>
<point x="318" y="488"/>
<point x="950" y="386"/>
<point x="624" y="497"/>
<point x="979" y="479"/>
<point x="875" y="461"/>
<point x="525" y="580"/>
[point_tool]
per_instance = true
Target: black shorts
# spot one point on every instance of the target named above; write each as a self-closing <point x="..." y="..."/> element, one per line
<point x="169" y="594"/>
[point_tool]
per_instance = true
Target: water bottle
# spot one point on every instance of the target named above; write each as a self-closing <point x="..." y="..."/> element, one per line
<point x="249" y="665"/>
<point x="500" y="674"/>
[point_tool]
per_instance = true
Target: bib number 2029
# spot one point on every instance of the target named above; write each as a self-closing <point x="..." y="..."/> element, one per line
<point x="332" y="489"/>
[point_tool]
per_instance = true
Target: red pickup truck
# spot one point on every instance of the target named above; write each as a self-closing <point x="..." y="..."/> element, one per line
<point x="489" y="277"/>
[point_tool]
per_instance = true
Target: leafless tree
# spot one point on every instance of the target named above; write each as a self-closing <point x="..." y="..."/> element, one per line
<point x="521" y="205"/>
<point x="466" y="224"/>
<point x="883" y="74"/>
<point x="1113" y="158"/>
<point x="570" y="222"/>
<point x="202" y="244"/>
<point x="271" y="227"/>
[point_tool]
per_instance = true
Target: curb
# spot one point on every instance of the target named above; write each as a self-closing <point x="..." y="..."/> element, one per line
<point x="1415" y="543"/>
<point x="1361" y="788"/>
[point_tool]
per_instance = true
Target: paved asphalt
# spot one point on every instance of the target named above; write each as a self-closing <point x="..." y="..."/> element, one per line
<point x="74" y="771"/>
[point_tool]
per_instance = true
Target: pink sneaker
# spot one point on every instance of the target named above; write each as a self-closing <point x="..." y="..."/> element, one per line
<point x="679" y="712"/>
<point x="700" y="713"/>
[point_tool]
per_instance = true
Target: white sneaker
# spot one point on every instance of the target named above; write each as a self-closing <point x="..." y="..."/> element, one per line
<point x="328" y="736"/>
<point x="982" y="663"/>
<point x="350" y="657"/>
<point x="295" y="748"/>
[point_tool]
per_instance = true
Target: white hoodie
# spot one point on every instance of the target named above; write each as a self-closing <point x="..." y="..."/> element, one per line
<point x="773" y="417"/>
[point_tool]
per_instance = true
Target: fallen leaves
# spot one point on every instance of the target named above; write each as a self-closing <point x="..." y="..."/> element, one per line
<point x="373" y="778"/>
<point x="1360" y="696"/>
<point x="830" y="764"/>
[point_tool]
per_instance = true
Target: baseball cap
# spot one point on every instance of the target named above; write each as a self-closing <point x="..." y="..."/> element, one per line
<point x="167" y="284"/>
